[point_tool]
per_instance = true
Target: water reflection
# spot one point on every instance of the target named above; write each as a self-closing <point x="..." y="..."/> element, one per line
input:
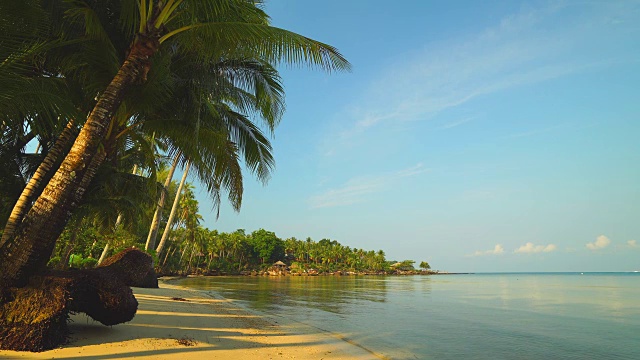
<point x="602" y="294"/>
<point x="332" y="294"/>
<point x="534" y="316"/>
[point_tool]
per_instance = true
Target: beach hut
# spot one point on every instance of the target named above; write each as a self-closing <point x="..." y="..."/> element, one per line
<point x="278" y="268"/>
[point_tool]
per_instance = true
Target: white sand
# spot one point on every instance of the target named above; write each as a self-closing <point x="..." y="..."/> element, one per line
<point x="211" y="329"/>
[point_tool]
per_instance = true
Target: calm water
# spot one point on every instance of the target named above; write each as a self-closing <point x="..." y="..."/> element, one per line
<point x="481" y="316"/>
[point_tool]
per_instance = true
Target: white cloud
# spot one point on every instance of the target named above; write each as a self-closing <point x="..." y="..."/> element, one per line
<point x="530" y="248"/>
<point x="457" y="123"/>
<point x="356" y="190"/>
<point x="600" y="243"/>
<point x="632" y="243"/>
<point x="497" y="250"/>
<point x="527" y="47"/>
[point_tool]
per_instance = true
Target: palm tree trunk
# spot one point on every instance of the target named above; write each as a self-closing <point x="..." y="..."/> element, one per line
<point x="186" y="248"/>
<point x="105" y="251"/>
<point x="28" y="251"/>
<point x="36" y="183"/>
<point x="169" y="253"/>
<point x="155" y="223"/>
<point x="64" y="262"/>
<point x="172" y="215"/>
<point x="166" y="257"/>
<point x="107" y="247"/>
<point x="193" y="250"/>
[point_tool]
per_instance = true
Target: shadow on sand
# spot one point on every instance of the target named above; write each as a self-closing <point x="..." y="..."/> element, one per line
<point x="175" y="326"/>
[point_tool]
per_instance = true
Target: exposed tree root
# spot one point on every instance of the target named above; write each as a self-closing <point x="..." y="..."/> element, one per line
<point x="34" y="317"/>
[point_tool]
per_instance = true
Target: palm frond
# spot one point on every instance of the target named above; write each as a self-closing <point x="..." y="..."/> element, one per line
<point x="252" y="144"/>
<point x="271" y="44"/>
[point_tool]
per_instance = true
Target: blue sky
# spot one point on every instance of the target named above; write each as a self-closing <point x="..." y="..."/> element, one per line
<point x="479" y="136"/>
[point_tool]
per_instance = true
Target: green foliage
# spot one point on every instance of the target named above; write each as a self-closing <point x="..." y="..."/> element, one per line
<point x="425" y="265"/>
<point x="154" y="255"/>
<point x="215" y="71"/>
<point x="84" y="240"/>
<point x="296" y="266"/>
<point x="215" y="74"/>
<point x="406" y="265"/>
<point x="54" y="261"/>
<point x="122" y="239"/>
<point x="78" y="262"/>
<point x="202" y="251"/>
<point x="267" y="246"/>
<point x="89" y="263"/>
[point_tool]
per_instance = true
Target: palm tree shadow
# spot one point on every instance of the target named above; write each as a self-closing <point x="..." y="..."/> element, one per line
<point x="164" y="326"/>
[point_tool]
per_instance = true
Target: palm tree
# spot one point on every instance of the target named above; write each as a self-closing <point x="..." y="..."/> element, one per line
<point x="155" y="223"/>
<point x="240" y="86"/>
<point x="230" y="28"/>
<point x="107" y="246"/>
<point x="32" y="102"/>
<point x="174" y="208"/>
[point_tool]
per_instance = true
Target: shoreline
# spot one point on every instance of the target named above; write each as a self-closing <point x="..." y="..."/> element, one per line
<point x="171" y="277"/>
<point x="175" y="322"/>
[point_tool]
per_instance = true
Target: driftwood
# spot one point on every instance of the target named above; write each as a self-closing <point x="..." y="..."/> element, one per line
<point x="34" y="317"/>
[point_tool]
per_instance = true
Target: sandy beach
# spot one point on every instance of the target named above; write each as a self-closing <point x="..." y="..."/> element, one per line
<point x="178" y="323"/>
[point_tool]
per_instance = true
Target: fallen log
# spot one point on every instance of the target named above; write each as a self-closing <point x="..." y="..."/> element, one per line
<point x="35" y="317"/>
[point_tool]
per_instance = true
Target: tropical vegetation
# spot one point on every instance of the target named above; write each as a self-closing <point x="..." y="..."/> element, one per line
<point x="97" y="97"/>
<point x="192" y="248"/>
<point x="101" y="103"/>
<point x="109" y="88"/>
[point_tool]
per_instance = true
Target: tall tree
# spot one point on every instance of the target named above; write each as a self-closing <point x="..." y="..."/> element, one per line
<point x="157" y="215"/>
<point x="267" y="245"/>
<point x="227" y="27"/>
<point x="174" y="208"/>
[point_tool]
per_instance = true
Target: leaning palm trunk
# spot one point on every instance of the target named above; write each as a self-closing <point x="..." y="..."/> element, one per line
<point x="190" y="258"/>
<point x="103" y="256"/>
<point x="174" y="208"/>
<point x="155" y="223"/>
<point x="33" y="240"/>
<point x="28" y="251"/>
<point x="184" y="251"/>
<point x="169" y="254"/>
<point x="166" y="256"/>
<point x="36" y="183"/>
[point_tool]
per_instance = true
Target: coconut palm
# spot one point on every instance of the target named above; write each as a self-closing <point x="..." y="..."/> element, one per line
<point x="155" y="222"/>
<point x="174" y="209"/>
<point x="230" y="88"/>
<point x="32" y="102"/>
<point x="212" y="29"/>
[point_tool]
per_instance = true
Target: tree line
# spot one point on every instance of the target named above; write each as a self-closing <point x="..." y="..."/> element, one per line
<point x="96" y="96"/>
<point x="103" y="101"/>
<point x="194" y="249"/>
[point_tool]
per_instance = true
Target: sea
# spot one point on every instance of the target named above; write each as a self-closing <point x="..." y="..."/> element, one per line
<point x="467" y="316"/>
